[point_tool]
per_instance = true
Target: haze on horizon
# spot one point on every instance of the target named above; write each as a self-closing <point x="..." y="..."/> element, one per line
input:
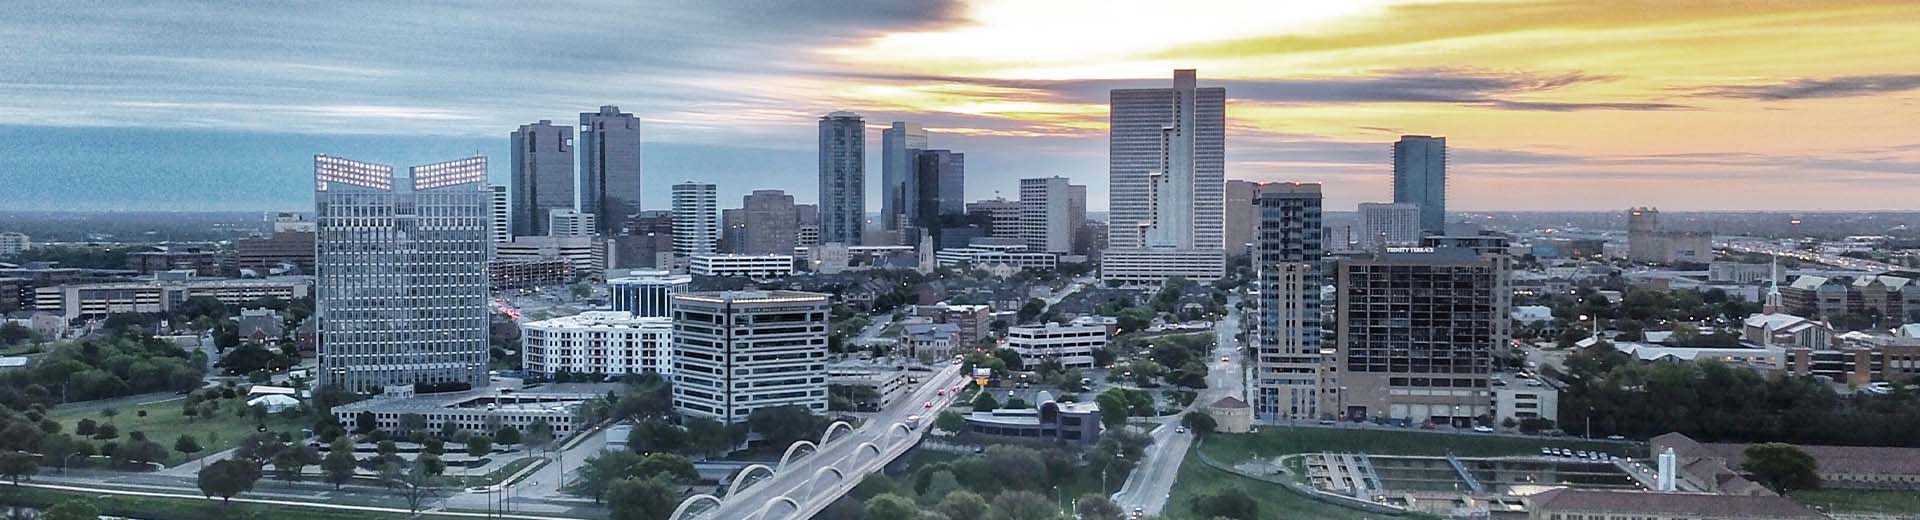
<point x="1547" y="104"/>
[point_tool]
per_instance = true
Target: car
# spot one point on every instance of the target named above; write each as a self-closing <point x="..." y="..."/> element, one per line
<point x="1181" y="429"/>
<point x="1139" y="512"/>
<point x="941" y="392"/>
<point x="1616" y="438"/>
<point x="478" y="489"/>
<point x="1546" y="451"/>
<point x="1326" y="422"/>
<point x="1223" y="359"/>
<point x="1482" y="429"/>
<point x="929" y="405"/>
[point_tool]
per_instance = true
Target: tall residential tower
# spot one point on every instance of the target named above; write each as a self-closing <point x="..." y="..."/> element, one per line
<point x="843" y="178"/>
<point x="696" y="218"/>
<point x="1286" y="364"/>
<point x="898" y="146"/>
<point x="1420" y="177"/>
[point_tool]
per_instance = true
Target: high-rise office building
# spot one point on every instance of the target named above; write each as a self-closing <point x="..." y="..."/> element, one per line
<point x="736" y="352"/>
<point x="939" y="182"/>
<point x="1420" y="178"/>
<point x="609" y="167"/>
<point x="1077" y="218"/>
<point x="1002" y="216"/>
<point x="1242" y="216"/>
<point x="1046" y="218"/>
<point x="1417" y="330"/>
<point x="898" y="147"/>
<point x="1286" y="365"/>
<point x="1385" y="225"/>
<point x="733" y="230"/>
<point x="773" y="224"/>
<point x="1167" y="166"/>
<point x="696" y="218"/>
<point x="570" y="223"/>
<point x="843" y="178"/>
<point x="542" y="175"/>
<point x="501" y="226"/>
<point x="401" y="273"/>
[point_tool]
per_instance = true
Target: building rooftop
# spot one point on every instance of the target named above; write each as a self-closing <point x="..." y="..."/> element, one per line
<point x="752" y="296"/>
<point x="1682" y="504"/>
<point x="1229" y="402"/>
<point x="605" y="320"/>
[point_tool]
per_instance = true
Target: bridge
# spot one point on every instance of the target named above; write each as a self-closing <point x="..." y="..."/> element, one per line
<point x="812" y="474"/>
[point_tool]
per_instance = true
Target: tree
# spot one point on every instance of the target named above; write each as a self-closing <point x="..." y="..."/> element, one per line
<point x="1095" y="506"/>
<point x="707" y="436"/>
<point x="951" y="421"/>
<point x="1114" y="409"/>
<point x="479" y="446"/>
<point x="892" y="506"/>
<point x="1198" y="422"/>
<point x="365" y="423"/>
<point x="507" y="436"/>
<point x="1781" y="467"/>
<point x="85" y="428"/>
<point x="16" y="464"/>
<point x="1023" y="505"/>
<point x="412" y="424"/>
<point x="72" y="510"/>
<point x="227" y="478"/>
<point x="417" y="484"/>
<point x="1227" y="502"/>
<point x="641" y="499"/>
<point x="106" y="432"/>
<point x="963" y="505"/>
<point x="288" y="464"/>
<point x="339" y="463"/>
<point x="985" y="402"/>
<point x="141" y="452"/>
<point x="539" y="434"/>
<point x="600" y="472"/>
<point x="666" y="466"/>
<point x="57" y="448"/>
<point x="187" y="445"/>
<point x="1030" y="310"/>
<point x="782" y="425"/>
<point x="651" y="435"/>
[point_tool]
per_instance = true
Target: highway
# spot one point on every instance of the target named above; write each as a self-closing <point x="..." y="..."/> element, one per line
<point x="844" y="454"/>
<point x="1148" y="487"/>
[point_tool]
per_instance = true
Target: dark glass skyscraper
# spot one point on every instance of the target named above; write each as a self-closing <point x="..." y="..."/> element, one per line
<point x="542" y="175"/>
<point x="1420" y="177"/>
<point x="609" y="167"/>
<point x="898" y="145"/>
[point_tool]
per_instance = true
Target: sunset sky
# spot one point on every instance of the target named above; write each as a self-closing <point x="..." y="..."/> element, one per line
<point x="1548" y="105"/>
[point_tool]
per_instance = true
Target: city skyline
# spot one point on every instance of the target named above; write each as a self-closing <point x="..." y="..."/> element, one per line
<point x="1628" y="107"/>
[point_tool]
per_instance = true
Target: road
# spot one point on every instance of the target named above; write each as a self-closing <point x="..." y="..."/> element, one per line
<point x="843" y="454"/>
<point x="1766" y="247"/>
<point x="540" y="491"/>
<point x="1149" y="486"/>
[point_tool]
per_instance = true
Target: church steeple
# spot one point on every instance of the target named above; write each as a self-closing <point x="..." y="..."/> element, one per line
<point x="1773" y="305"/>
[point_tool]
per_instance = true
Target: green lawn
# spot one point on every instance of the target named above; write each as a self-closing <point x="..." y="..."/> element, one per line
<point x="1861" y="501"/>
<point x="1196" y="478"/>
<point x="1273" y="441"/>
<point x="495" y="476"/>
<point x="164" y="423"/>
<point x="157" y="508"/>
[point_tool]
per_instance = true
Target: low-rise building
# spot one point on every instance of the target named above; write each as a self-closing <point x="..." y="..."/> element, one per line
<point x="1522" y="399"/>
<point x="476" y="410"/>
<point x="522" y="274"/>
<point x="887" y="385"/>
<point x="929" y="341"/>
<point x="162" y="292"/>
<point x="597" y="342"/>
<point x="260" y="326"/>
<point x="1231" y="415"/>
<point x="751" y="266"/>
<point x="998" y="262"/>
<point x="1077" y="423"/>
<point x="1071" y="346"/>
<point x="973" y="321"/>
<point x="276" y="254"/>
<point x="14" y="243"/>
<point x="1853" y="467"/>
<point x="1595" y="504"/>
<point x="647" y="293"/>
<point x="588" y="255"/>
<point x="200" y="260"/>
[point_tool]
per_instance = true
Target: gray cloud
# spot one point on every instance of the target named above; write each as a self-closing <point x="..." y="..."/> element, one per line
<point x="1844" y="86"/>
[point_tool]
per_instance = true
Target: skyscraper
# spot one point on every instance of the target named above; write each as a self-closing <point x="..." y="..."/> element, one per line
<point x="1286" y="365"/>
<point x="542" y="175"/>
<point x="1167" y="165"/>
<point x="501" y="224"/>
<point x="939" y="182"/>
<point x="772" y="223"/>
<point x="609" y="167"/>
<point x="1046" y="220"/>
<point x="696" y="218"/>
<point x="898" y="146"/>
<point x="1383" y="225"/>
<point x="401" y="274"/>
<point x="570" y="223"/>
<point x="1242" y="215"/>
<point x="843" y="178"/>
<point x="1077" y="217"/>
<point x="1420" y="177"/>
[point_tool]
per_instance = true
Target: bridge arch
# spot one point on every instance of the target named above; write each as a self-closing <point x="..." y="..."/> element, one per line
<point x="841" y="426"/>
<point x="838" y="477"/>
<point x="788" y="456"/>
<point x="740" y="479"/>
<point x="767" y="510"/>
<point x="681" y="513"/>
<point x="869" y="449"/>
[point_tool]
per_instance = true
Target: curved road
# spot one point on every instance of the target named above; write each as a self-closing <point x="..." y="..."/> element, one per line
<point x="1149" y="486"/>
